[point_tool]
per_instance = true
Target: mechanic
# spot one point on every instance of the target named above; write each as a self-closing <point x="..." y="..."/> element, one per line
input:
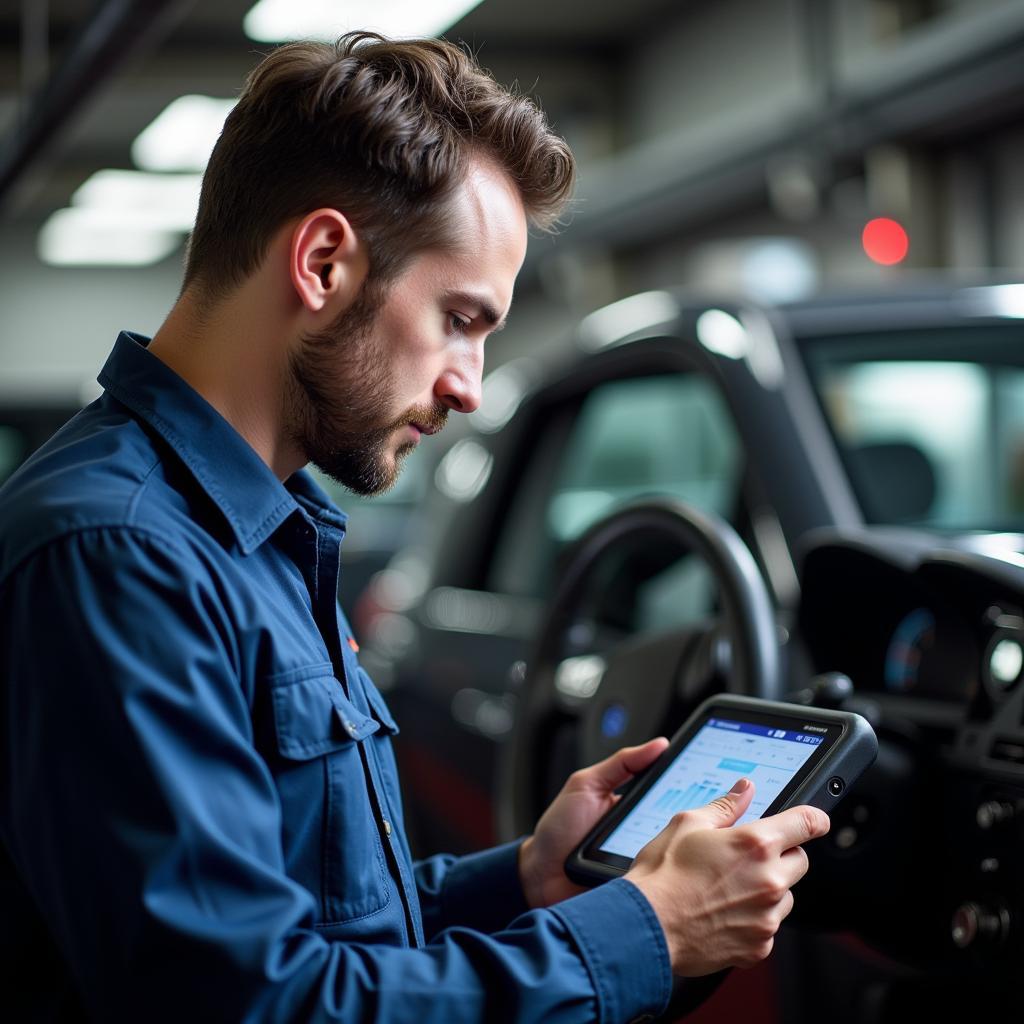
<point x="199" y="803"/>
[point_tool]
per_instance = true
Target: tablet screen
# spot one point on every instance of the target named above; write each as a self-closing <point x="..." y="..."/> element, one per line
<point x="722" y="751"/>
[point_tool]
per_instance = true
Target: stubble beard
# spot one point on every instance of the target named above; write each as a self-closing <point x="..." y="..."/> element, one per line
<point x="339" y="396"/>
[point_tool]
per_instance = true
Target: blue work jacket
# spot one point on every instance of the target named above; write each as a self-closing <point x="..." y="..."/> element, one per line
<point x="199" y="806"/>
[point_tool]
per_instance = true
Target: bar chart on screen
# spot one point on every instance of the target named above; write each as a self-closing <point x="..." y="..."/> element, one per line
<point x="673" y="801"/>
<point x="719" y="754"/>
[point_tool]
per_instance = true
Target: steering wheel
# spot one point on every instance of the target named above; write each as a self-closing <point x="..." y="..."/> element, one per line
<point x="583" y="706"/>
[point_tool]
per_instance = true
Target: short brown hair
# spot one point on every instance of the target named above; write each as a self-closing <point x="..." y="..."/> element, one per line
<point x="376" y="128"/>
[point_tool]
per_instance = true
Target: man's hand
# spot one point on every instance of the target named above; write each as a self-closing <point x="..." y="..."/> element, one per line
<point x="721" y="893"/>
<point x="585" y="797"/>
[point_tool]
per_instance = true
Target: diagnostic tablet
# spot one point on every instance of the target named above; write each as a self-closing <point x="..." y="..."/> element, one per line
<point x="793" y="755"/>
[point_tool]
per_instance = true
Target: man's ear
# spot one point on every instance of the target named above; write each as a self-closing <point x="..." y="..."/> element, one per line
<point x="327" y="260"/>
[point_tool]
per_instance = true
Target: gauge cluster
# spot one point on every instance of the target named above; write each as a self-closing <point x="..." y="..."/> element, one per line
<point x="911" y="643"/>
<point x="944" y="626"/>
<point x="909" y="627"/>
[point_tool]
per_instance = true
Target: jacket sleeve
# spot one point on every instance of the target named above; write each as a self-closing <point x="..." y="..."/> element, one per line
<point x="146" y="827"/>
<point x="479" y="890"/>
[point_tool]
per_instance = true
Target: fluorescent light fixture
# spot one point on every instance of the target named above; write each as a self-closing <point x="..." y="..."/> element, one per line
<point x="610" y="324"/>
<point x="167" y="201"/>
<point x="80" y="236"/>
<point x="272" y="21"/>
<point x="122" y="218"/>
<point x="182" y="137"/>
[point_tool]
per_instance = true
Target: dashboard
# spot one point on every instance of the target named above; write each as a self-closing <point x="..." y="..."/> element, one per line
<point x="936" y="626"/>
<point x="932" y="637"/>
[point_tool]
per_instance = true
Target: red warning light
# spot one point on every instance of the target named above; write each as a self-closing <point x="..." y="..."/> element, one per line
<point x="885" y="241"/>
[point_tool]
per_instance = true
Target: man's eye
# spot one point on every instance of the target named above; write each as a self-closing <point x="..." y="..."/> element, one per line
<point x="458" y="324"/>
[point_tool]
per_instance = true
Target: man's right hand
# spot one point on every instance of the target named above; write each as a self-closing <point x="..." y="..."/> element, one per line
<point x="721" y="893"/>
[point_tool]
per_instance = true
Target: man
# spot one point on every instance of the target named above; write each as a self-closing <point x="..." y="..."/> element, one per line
<point x="199" y="805"/>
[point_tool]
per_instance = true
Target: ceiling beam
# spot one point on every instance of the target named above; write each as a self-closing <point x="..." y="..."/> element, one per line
<point x="658" y="188"/>
<point x="116" y="32"/>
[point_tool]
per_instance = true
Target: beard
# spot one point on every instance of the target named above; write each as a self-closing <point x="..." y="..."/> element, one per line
<point x="339" y="399"/>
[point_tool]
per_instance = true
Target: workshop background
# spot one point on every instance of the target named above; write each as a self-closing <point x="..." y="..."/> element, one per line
<point x="735" y="145"/>
<point x="740" y="146"/>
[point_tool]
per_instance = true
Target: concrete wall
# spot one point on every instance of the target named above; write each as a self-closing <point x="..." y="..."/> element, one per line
<point x="59" y="323"/>
<point x="730" y="60"/>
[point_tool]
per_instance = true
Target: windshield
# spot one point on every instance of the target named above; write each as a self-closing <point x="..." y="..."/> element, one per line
<point x="929" y="423"/>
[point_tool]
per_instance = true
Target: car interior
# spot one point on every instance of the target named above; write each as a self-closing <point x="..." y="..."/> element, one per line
<point x="911" y="614"/>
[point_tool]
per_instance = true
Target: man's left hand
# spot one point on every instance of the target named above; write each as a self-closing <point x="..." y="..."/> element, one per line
<point x="586" y="796"/>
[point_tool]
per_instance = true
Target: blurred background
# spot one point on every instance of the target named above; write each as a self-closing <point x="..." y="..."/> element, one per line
<point x="768" y="147"/>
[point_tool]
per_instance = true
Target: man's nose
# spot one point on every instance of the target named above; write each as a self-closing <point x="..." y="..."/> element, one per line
<point x="459" y="387"/>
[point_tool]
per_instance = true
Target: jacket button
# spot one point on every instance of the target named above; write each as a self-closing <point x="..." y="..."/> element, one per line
<point x="387" y="827"/>
<point x="352" y="730"/>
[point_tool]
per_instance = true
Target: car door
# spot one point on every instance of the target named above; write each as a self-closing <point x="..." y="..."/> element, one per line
<point x="609" y="431"/>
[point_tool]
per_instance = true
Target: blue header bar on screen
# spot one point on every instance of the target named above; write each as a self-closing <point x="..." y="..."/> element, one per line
<point x="765" y="730"/>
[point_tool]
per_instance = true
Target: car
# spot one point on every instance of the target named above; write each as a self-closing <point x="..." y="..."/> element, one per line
<point x="560" y="600"/>
<point x="377" y="527"/>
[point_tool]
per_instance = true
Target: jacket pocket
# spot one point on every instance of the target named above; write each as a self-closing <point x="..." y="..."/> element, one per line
<point x="387" y="727"/>
<point x="331" y="836"/>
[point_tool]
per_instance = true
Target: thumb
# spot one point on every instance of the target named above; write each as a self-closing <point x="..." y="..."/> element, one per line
<point x="727" y="809"/>
<point x="613" y="771"/>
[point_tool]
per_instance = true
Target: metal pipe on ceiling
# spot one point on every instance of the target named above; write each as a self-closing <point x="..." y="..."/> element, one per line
<point x="35" y="49"/>
<point x="653" y="190"/>
<point x="117" y="31"/>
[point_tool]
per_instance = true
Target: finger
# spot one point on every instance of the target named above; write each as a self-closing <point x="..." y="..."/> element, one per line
<point x="793" y="827"/>
<point x="613" y="771"/>
<point x="785" y="906"/>
<point x="657" y="848"/>
<point x="725" y="810"/>
<point x="795" y="863"/>
<point x="636" y="759"/>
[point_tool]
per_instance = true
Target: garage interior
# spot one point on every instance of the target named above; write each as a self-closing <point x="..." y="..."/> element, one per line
<point x="733" y="156"/>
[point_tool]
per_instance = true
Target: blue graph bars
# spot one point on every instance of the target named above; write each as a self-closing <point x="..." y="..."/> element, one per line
<point x="674" y="800"/>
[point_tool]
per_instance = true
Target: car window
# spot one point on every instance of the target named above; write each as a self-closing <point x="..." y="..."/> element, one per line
<point x="931" y="441"/>
<point x="667" y="435"/>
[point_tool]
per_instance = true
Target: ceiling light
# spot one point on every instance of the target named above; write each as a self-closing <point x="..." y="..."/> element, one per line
<point x="122" y="218"/>
<point x="271" y="21"/>
<point x="80" y="236"/>
<point x="182" y="137"/>
<point x="166" y="201"/>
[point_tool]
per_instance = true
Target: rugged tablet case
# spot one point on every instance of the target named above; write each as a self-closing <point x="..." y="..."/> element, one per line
<point x="854" y="752"/>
